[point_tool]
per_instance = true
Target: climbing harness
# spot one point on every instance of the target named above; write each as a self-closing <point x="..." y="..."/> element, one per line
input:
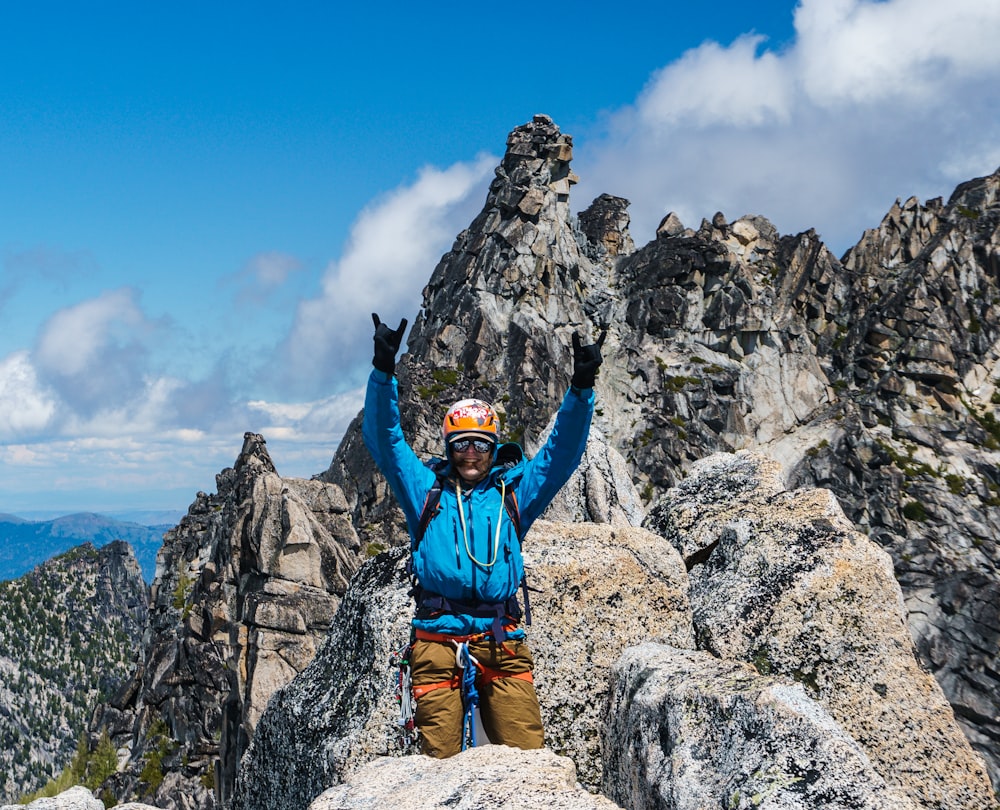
<point x="470" y="677"/>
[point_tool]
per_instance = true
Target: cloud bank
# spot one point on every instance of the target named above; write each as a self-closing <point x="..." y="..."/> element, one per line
<point x="393" y="246"/>
<point x="870" y="101"/>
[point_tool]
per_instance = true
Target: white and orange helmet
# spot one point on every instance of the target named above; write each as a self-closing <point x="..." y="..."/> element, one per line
<point x="473" y="418"/>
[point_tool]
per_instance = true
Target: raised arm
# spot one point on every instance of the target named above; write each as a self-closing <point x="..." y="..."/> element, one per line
<point x="552" y="466"/>
<point x="381" y="430"/>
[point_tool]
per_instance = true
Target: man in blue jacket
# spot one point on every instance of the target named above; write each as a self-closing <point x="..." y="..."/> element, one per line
<point x="466" y="547"/>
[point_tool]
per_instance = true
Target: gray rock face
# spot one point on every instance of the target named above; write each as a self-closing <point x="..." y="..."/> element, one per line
<point x="340" y="711"/>
<point x="689" y="731"/>
<point x="600" y="489"/>
<point x="245" y="589"/>
<point x="873" y="376"/>
<point x="605" y="226"/>
<point x="600" y="589"/>
<point x="782" y="580"/>
<point x="493" y="776"/>
<point x="914" y="461"/>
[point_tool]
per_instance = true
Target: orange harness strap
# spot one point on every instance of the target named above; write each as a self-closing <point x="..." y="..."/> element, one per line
<point x="423" y="689"/>
<point x="486" y="675"/>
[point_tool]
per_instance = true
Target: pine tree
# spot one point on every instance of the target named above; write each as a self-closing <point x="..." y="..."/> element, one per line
<point x="103" y="762"/>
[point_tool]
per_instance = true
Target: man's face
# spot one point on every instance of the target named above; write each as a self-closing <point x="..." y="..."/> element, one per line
<point x="471" y="464"/>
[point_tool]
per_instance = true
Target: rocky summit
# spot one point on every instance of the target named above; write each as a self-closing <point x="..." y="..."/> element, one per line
<point x="876" y="376"/>
<point x="772" y="583"/>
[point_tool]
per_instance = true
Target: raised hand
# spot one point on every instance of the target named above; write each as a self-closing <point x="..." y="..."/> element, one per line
<point x="387" y="342"/>
<point x="586" y="360"/>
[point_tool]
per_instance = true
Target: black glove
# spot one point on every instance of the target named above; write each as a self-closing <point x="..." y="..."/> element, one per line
<point x="586" y="361"/>
<point x="387" y="344"/>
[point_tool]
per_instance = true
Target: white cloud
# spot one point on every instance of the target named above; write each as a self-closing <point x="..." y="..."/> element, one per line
<point x="871" y="101"/>
<point x="320" y="420"/>
<point x="854" y="51"/>
<point x="104" y="472"/>
<point x="263" y="275"/>
<point x="732" y="86"/>
<point x="74" y="338"/>
<point x="394" y="245"/>
<point x="271" y="269"/>
<point x="25" y="408"/>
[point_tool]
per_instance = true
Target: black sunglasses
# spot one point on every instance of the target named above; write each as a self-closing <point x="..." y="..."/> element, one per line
<point x="461" y="445"/>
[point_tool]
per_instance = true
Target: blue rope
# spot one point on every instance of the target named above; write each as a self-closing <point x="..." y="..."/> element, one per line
<point x="470" y="697"/>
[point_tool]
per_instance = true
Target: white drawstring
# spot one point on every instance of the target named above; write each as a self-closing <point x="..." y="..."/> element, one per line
<point x="465" y="530"/>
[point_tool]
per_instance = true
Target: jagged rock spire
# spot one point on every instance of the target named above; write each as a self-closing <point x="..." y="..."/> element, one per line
<point x="605" y="224"/>
<point x="245" y="589"/>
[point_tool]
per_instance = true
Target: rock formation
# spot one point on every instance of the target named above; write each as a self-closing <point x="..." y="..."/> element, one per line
<point x="68" y="633"/>
<point x="914" y="459"/>
<point x="777" y="667"/>
<point x="688" y="731"/>
<point x="489" y="776"/>
<point x="874" y="376"/>
<point x="245" y="589"/>
<point x="600" y="588"/>
<point x="781" y="580"/>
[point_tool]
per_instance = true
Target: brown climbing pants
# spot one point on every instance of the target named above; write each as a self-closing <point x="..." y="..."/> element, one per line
<point x="507" y="701"/>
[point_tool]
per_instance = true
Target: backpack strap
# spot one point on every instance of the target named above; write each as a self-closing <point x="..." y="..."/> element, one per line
<point x="433" y="500"/>
<point x="510" y="504"/>
<point x="432" y="505"/>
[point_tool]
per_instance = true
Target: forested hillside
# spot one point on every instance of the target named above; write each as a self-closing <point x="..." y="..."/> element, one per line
<point x="69" y="630"/>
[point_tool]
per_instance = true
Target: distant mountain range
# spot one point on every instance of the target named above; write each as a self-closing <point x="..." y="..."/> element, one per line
<point x="26" y="543"/>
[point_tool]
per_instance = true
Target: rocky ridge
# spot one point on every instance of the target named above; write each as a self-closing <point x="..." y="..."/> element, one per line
<point x="245" y="589"/>
<point x="874" y="376"/>
<point x="777" y="667"/>
<point x="69" y="631"/>
<point x="599" y="589"/>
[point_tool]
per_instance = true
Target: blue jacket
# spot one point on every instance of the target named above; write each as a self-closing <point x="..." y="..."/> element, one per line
<point x="472" y="563"/>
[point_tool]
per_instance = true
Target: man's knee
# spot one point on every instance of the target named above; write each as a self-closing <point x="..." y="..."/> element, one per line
<point x="439" y="719"/>
<point x="511" y="715"/>
<point x="438" y="714"/>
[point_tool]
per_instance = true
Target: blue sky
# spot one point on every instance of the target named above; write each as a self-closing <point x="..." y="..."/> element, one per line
<point x="201" y="203"/>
